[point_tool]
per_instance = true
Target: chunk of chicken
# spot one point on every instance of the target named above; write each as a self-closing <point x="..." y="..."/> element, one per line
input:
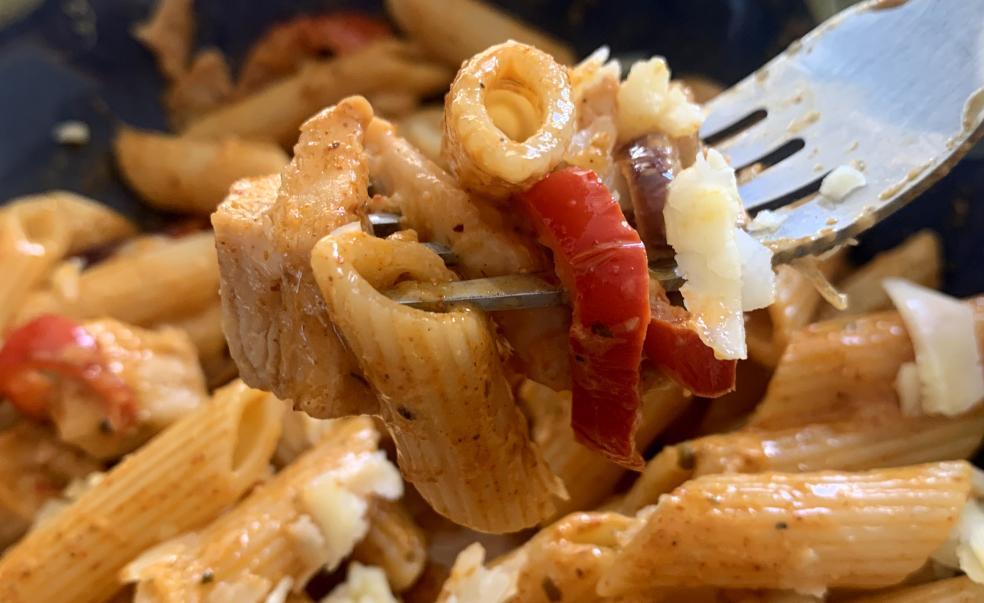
<point x="273" y="314"/>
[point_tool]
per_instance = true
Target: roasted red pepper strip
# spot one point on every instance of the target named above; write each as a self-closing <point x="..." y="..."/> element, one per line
<point x="601" y="262"/>
<point x="675" y="348"/>
<point x="53" y="346"/>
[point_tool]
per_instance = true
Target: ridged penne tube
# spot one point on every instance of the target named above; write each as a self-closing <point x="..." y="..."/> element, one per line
<point x="565" y="561"/>
<point x="588" y="477"/>
<point x="89" y="223"/>
<point x="951" y="590"/>
<point x="186" y="277"/>
<point x="276" y="111"/>
<point x="28" y="252"/>
<point x="918" y="259"/>
<point x="508" y="119"/>
<point x="805" y="532"/>
<point x="311" y="514"/>
<point x="455" y="31"/>
<point x="836" y="369"/>
<point x="847" y="446"/>
<point x="461" y="439"/>
<point x="273" y="314"/>
<point x="204" y="327"/>
<point x="394" y="543"/>
<point x="39" y="230"/>
<point x="189" y="175"/>
<point x="797" y="299"/>
<point x="854" y="446"/>
<point x="35" y="466"/>
<point x="562" y="562"/>
<point x="422" y="129"/>
<point x="180" y="480"/>
<point x="672" y="466"/>
<point x="485" y="243"/>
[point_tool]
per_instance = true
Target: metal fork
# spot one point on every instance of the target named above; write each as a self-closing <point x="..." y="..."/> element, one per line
<point x="893" y="88"/>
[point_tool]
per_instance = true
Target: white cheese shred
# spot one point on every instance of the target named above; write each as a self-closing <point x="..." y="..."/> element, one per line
<point x="727" y="270"/>
<point x="948" y="360"/>
<point x="841" y="182"/>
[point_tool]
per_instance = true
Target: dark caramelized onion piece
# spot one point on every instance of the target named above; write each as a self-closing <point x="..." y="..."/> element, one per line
<point x="648" y="164"/>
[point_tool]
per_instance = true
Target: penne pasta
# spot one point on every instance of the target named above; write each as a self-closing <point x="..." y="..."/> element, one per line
<point x="39" y="230"/>
<point x="313" y="514"/>
<point x="435" y="207"/>
<point x="204" y="328"/>
<point x="508" y="119"/>
<point x="797" y="299"/>
<point x="88" y="223"/>
<point x="806" y="532"/>
<point x="839" y="369"/>
<point x="185" y="279"/>
<point x="443" y="392"/>
<point x="34" y="468"/>
<point x="275" y="112"/>
<point x="952" y="590"/>
<point x="205" y="86"/>
<point x="273" y="314"/>
<point x="169" y="33"/>
<point x="453" y="32"/>
<point x="394" y="543"/>
<point x="847" y="446"/>
<point x="588" y="477"/>
<point x="835" y="370"/>
<point x="422" y="129"/>
<point x="670" y="468"/>
<point x="188" y="175"/>
<point x="918" y="259"/>
<point x="178" y="481"/>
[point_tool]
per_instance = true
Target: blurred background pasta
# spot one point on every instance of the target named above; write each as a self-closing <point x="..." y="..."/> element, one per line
<point x="206" y="396"/>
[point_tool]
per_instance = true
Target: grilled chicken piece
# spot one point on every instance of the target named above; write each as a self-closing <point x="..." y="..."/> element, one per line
<point x="273" y="314"/>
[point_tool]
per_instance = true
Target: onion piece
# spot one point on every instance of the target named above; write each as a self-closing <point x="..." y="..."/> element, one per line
<point x="648" y="165"/>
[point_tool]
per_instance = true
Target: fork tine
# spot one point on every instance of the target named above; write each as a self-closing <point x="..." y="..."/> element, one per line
<point x="782" y="183"/>
<point x="731" y="107"/>
<point x="384" y="224"/>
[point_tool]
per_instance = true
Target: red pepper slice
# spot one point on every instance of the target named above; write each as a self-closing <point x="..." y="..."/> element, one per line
<point x="52" y="346"/>
<point x="601" y="262"/>
<point x="675" y="348"/>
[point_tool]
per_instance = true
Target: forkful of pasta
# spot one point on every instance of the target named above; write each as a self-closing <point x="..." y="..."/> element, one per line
<point x="848" y="125"/>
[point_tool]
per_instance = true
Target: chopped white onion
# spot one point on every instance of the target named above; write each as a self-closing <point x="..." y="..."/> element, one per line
<point x="943" y="335"/>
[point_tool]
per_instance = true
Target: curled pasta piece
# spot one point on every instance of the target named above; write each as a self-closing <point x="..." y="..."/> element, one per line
<point x="806" y="532"/>
<point x="481" y="236"/>
<point x="508" y="119"/>
<point x="461" y="439"/>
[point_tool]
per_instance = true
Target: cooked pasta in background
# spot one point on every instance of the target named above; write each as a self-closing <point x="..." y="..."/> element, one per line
<point x="238" y="410"/>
